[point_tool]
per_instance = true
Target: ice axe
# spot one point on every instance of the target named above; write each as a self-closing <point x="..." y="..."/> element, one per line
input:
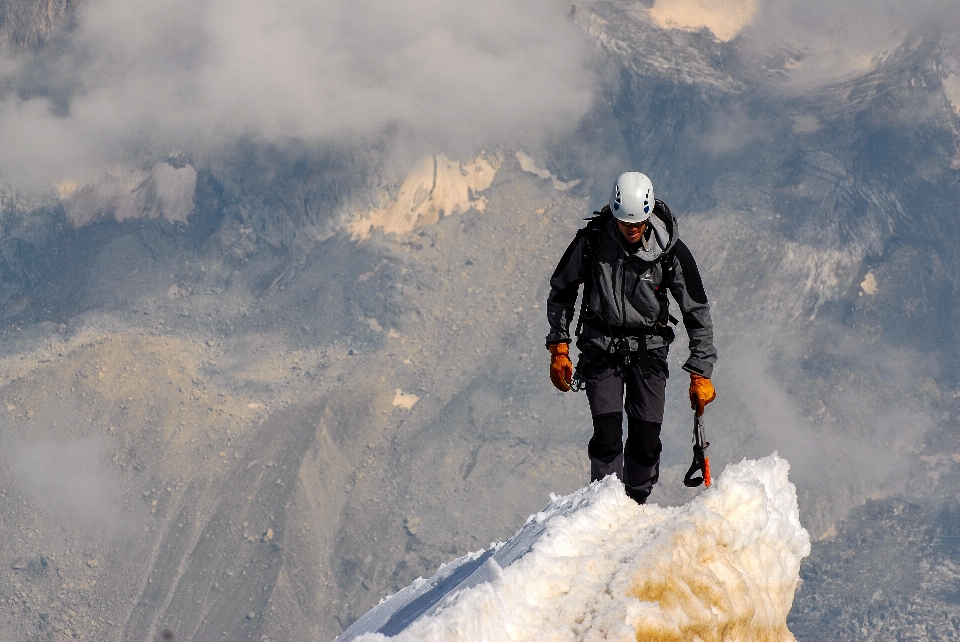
<point x="701" y="463"/>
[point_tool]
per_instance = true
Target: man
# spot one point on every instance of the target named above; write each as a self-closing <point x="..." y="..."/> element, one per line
<point x="628" y="257"/>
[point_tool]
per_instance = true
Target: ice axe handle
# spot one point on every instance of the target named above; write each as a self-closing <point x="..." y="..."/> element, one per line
<point x="701" y="463"/>
<point x="698" y="425"/>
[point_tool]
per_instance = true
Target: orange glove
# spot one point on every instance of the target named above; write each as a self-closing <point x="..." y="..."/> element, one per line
<point x="561" y="370"/>
<point x="701" y="392"/>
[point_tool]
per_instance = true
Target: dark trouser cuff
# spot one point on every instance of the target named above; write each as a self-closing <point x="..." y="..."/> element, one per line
<point x="639" y="480"/>
<point x="600" y="469"/>
<point x="641" y="468"/>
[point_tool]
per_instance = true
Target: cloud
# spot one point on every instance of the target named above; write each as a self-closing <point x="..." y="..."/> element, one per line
<point x="67" y="478"/>
<point x="158" y="76"/>
<point x="834" y="38"/>
<point x="847" y="437"/>
<point x="838" y="39"/>
<point x="130" y="81"/>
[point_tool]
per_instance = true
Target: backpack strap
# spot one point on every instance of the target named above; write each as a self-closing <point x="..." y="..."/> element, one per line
<point x="666" y="284"/>
<point x="667" y="271"/>
<point x="592" y="231"/>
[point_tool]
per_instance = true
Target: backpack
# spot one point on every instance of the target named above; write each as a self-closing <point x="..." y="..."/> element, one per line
<point x="593" y="230"/>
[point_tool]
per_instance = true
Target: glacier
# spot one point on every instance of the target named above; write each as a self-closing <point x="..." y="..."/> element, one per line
<point x="594" y="565"/>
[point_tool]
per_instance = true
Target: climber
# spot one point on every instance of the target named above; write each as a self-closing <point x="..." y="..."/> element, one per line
<point x="629" y="256"/>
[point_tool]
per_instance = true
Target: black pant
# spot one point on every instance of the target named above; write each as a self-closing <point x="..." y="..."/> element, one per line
<point x="606" y="380"/>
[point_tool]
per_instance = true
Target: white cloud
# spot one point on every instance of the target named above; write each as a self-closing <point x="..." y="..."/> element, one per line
<point x="840" y="39"/>
<point x="67" y="478"/>
<point x="158" y="75"/>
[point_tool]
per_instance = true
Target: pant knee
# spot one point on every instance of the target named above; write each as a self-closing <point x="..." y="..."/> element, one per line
<point x="643" y="442"/>
<point x="607" y="441"/>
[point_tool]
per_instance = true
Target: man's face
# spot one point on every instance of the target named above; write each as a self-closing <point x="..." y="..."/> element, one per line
<point x="632" y="232"/>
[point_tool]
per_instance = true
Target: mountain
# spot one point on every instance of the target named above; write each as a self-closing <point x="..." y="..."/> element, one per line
<point x="31" y="24"/>
<point x="263" y="414"/>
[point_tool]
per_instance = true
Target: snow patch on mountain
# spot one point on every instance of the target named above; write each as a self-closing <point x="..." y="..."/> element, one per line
<point x="951" y="87"/>
<point x="869" y="284"/>
<point x="595" y="565"/>
<point x="405" y="400"/>
<point x="724" y="18"/>
<point x="125" y="192"/>
<point x="527" y="164"/>
<point x="434" y="188"/>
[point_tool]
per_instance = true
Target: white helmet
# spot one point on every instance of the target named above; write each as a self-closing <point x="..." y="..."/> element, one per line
<point x="632" y="199"/>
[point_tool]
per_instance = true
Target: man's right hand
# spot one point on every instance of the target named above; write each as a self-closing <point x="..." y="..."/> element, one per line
<point x="701" y="393"/>
<point x="561" y="370"/>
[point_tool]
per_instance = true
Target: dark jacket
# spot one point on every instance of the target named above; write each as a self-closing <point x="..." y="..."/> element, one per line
<point x="622" y="286"/>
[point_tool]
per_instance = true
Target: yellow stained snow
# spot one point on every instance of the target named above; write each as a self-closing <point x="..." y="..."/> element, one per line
<point x="730" y="572"/>
<point x="702" y="585"/>
<point x="435" y="187"/>
<point x="724" y="18"/>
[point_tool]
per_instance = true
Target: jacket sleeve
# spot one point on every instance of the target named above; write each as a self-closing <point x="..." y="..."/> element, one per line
<point x="688" y="292"/>
<point x="564" y="285"/>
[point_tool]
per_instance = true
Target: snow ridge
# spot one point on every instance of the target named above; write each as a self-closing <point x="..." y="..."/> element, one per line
<point x="595" y="566"/>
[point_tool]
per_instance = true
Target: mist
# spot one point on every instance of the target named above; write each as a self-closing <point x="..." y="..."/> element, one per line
<point x="67" y="478"/>
<point x="159" y="77"/>
<point x="834" y="40"/>
<point x="125" y="83"/>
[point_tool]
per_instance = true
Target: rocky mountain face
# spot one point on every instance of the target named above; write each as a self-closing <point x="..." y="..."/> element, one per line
<point x="31" y="23"/>
<point x="260" y="415"/>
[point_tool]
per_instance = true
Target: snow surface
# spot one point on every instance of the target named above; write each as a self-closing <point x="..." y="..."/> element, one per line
<point x="596" y="566"/>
